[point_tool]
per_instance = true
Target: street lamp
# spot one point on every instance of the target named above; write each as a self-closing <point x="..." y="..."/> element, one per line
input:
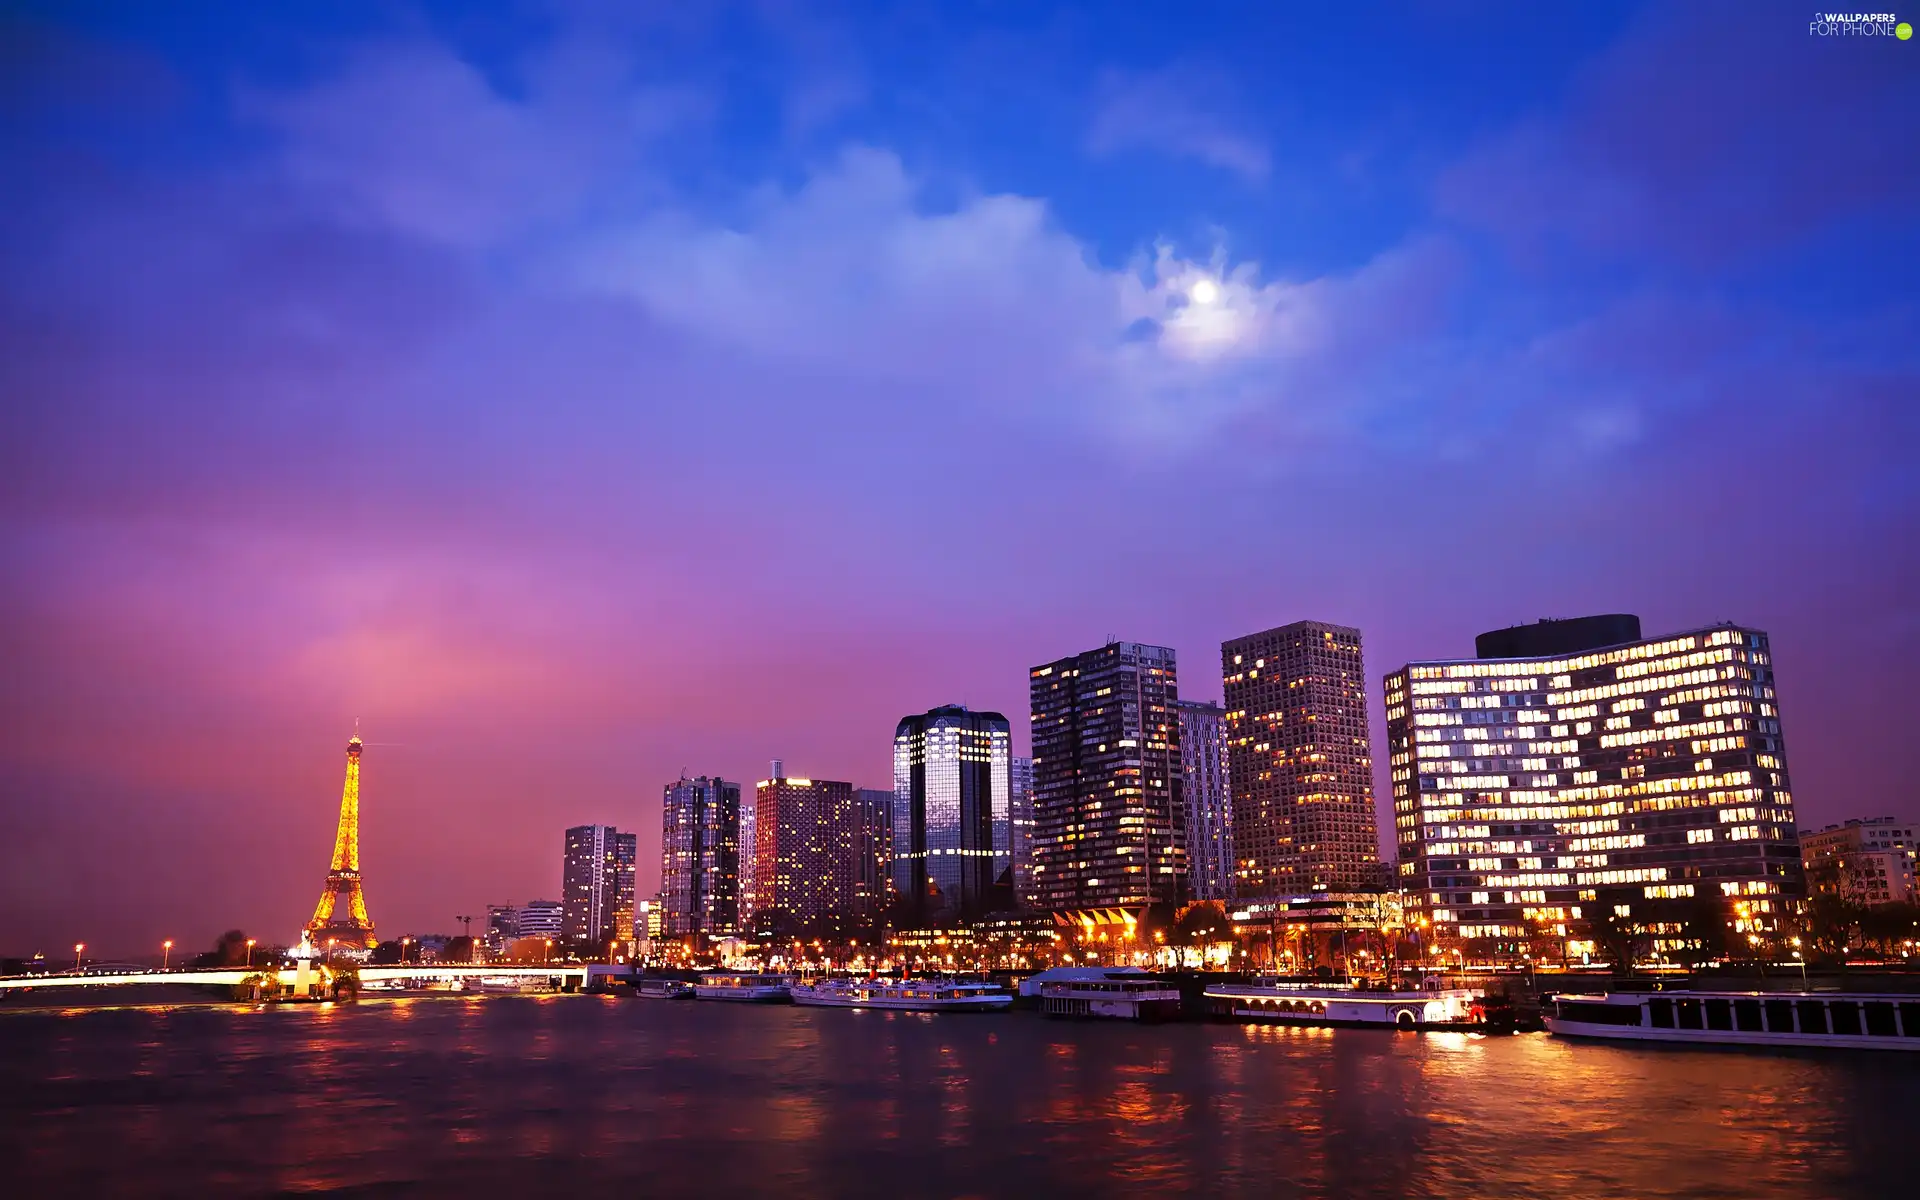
<point x="250" y="945"/>
<point x="547" y="952"/>
<point x="166" y="952"/>
<point x="77" y="948"/>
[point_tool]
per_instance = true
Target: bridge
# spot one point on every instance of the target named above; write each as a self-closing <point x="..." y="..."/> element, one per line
<point x="569" y="977"/>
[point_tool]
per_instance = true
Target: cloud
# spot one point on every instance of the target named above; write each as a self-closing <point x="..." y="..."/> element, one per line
<point x="411" y="136"/>
<point x="1175" y="112"/>
<point x="991" y="302"/>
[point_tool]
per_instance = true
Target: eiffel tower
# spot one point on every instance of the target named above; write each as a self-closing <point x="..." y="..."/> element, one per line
<point x="343" y="878"/>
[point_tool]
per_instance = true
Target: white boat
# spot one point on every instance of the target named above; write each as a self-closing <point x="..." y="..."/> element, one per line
<point x="1842" y="1020"/>
<point x="1031" y="985"/>
<point x="908" y="995"/>
<point x="1332" y="1005"/>
<point x="755" y="989"/>
<point x="663" y="989"/>
<point x="1121" y="998"/>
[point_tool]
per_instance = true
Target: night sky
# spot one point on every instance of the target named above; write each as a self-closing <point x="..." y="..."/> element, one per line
<point x="576" y="395"/>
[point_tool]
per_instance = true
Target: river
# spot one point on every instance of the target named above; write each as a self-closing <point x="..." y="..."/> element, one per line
<point x="621" y="1096"/>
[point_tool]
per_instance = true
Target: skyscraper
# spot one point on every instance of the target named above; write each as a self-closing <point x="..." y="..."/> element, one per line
<point x="597" y="884"/>
<point x="1299" y="763"/>
<point x="700" y="857"/>
<point x="803" y="861"/>
<point x="872" y="855"/>
<point x="1109" y="812"/>
<point x="626" y="860"/>
<point x="950" y="800"/>
<point x="1020" y="828"/>
<point x="1575" y="764"/>
<point x="1203" y="773"/>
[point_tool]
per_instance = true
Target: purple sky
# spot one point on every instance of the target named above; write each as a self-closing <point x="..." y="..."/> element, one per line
<point x="576" y="398"/>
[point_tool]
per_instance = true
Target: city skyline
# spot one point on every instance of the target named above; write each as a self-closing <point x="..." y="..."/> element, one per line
<point x="579" y="397"/>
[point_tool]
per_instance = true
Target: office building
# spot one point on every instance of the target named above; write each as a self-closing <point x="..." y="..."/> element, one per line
<point x="1109" y="812"/>
<point x="1588" y="766"/>
<point x="539" y="918"/>
<point x="950" y="800"/>
<point x="872" y="855"/>
<point x="1203" y="774"/>
<point x="749" y="902"/>
<point x="597" y="884"/>
<point x="1020" y="828"/>
<point x="700" y="857"/>
<point x="803" y="860"/>
<point x="1299" y="762"/>
<point x="1868" y="862"/>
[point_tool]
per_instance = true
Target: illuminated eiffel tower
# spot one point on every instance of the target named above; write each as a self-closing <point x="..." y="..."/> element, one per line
<point x="343" y="878"/>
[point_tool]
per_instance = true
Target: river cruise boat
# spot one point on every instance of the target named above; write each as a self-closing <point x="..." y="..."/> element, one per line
<point x="907" y="995"/>
<point x="1843" y="1020"/>
<point x="1117" y="997"/>
<point x="1323" y="1004"/>
<point x="754" y="989"/>
<point x="663" y="989"/>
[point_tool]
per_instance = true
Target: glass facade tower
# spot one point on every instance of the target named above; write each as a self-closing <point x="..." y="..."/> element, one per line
<point x="1020" y="828"/>
<point x="1642" y="776"/>
<point x="1203" y="772"/>
<point x="950" y="816"/>
<point x="1109" y="811"/>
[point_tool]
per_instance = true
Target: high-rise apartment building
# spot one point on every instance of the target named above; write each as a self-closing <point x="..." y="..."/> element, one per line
<point x="1584" y="765"/>
<point x="1299" y="764"/>
<point x="700" y="857"/>
<point x="1020" y="828"/>
<point x="1109" y="812"/>
<point x="872" y="855"/>
<point x="950" y="801"/>
<point x="597" y="884"/>
<point x="803" y="861"/>
<point x="1867" y="862"/>
<point x="1203" y="773"/>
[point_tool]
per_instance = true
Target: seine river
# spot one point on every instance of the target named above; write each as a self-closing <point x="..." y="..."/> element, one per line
<point x="602" y="1096"/>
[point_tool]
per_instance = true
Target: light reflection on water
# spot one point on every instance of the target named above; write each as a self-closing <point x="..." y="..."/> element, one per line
<point x="464" y="1095"/>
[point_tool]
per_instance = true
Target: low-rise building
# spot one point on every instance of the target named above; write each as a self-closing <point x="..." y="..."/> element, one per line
<point x="1868" y="862"/>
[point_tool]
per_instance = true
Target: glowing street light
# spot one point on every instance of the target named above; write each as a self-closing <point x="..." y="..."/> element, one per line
<point x="166" y="952"/>
<point x="250" y="944"/>
<point x="77" y="948"/>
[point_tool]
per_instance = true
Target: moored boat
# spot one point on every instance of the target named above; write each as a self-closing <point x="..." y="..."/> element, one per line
<point x="751" y="988"/>
<point x="1840" y="1020"/>
<point x="1333" y="1005"/>
<point x="663" y="989"/>
<point x="907" y="995"/>
<point x="1121" y="998"/>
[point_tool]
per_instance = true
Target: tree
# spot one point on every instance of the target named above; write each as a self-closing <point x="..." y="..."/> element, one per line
<point x="1886" y="926"/>
<point x="1705" y="932"/>
<point x="1615" y="932"/>
<point x="230" y="950"/>
<point x="1832" y="920"/>
<point x="459" y="950"/>
<point x="1200" y="925"/>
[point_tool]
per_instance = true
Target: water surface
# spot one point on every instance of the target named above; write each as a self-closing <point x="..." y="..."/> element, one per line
<point x="489" y="1096"/>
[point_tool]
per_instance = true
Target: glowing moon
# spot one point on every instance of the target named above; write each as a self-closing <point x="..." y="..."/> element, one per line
<point x="1204" y="292"/>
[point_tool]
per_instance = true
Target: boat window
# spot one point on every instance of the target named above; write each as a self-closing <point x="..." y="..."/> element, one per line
<point x="1845" y="1014"/>
<point x="1660" y="1013"/>
<point x="1880" y="1019"/>
<point x="1780" y="1016"/>
<point x="1594" y="1012"/>
<point x="1688" y="1012"/>
<point x="1813" y="1016"/>
<point x="1746" y="1016"/>
<point x="1910" y="1018"/>
<point x="1719" y="1014"/>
